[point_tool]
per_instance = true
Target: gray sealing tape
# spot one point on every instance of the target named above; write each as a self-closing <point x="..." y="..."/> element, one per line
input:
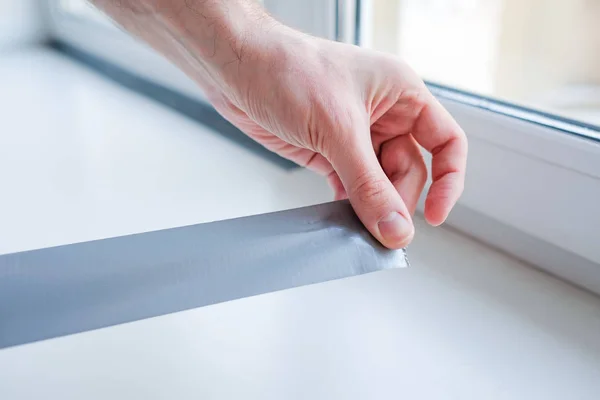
<point x="63" y="290"/>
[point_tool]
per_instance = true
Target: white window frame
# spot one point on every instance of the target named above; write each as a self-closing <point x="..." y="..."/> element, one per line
<point x="533" y="181"/>
<point x="532" y="189"/>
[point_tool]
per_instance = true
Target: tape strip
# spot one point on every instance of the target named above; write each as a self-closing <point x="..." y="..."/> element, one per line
<point x="69" y="289"/>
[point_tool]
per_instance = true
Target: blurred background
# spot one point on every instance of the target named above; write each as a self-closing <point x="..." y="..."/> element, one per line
<point x="540" y="53"/>
<point x="543" y="54"/>
<point x="21" y="22"/>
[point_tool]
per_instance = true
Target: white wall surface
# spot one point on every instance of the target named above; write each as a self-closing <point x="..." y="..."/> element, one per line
<point x="21" y="23"/>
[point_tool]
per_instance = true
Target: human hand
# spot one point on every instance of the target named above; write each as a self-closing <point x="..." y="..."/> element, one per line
<point x="356" y="116"/>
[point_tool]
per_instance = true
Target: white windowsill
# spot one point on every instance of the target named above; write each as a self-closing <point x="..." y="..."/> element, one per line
<point x="82" y="158"/>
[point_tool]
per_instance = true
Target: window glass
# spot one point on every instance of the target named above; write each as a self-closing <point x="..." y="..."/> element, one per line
<point x="540" y="53"/>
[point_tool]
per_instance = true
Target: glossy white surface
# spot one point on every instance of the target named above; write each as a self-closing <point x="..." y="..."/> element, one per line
<point x="81" y="158"/>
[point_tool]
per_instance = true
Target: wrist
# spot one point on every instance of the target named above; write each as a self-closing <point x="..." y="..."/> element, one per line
<point x="232" y="47"/>
<point x="263" y="52"/>
<point x="218" y="34"/>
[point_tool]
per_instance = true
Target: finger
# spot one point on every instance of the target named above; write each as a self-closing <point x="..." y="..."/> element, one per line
<point x="403" y="163"/>
<point x="336" y="184"/>
<point x="374" y="198"/>
<point x="438" y="132"/>
<point x="316" y="162"/>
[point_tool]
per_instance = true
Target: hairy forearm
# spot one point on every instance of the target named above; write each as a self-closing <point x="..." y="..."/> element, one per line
<point x="208" y="39"/>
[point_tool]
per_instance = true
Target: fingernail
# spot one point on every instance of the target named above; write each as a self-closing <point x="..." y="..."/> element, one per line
<point x="395" y="229"/>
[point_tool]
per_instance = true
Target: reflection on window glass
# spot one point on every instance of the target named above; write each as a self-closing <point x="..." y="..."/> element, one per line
<point x="540" y="53"/>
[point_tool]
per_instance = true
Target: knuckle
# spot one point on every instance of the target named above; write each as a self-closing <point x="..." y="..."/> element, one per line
<point x="333" y="125"/>
<point x="396" y="66"/>
<point x="418" y="97"/>
<point x="370" y="191"/>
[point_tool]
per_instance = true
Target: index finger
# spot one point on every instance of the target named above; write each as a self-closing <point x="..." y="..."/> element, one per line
<point x="438" y="133"/>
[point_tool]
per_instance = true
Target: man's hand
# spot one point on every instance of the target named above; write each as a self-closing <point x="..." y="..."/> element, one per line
<point x="357" y="116"/>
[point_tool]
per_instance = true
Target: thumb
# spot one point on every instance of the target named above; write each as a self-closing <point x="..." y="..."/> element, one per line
<point x="372" y="195"/>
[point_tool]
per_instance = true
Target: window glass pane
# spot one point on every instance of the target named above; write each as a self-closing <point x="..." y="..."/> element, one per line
<point x="540" y="53"/>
